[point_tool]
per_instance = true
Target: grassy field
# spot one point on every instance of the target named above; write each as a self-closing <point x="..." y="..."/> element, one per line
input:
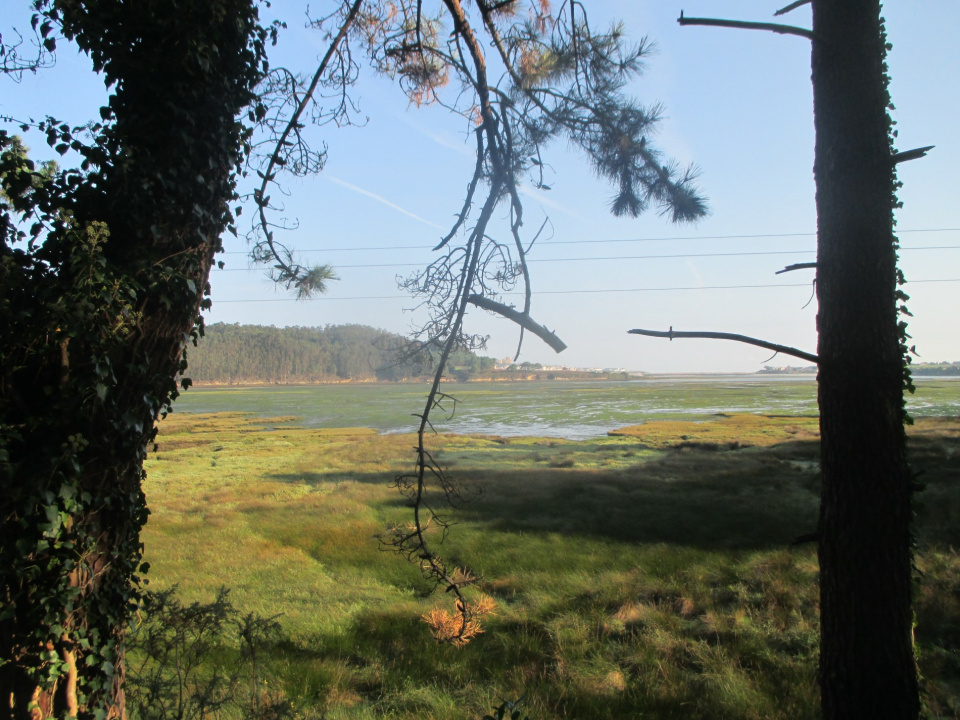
<point x="647" y="574"/>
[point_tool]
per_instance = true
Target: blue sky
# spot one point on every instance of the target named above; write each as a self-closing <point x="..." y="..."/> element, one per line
<point x="738" y="104"/>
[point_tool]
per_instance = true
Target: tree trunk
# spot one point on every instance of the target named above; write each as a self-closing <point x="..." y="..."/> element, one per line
<point x="94" y="322"/>
<point x="867" y="665"/>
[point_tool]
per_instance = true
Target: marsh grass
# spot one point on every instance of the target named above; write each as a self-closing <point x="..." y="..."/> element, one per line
<point x="649" y="573"/>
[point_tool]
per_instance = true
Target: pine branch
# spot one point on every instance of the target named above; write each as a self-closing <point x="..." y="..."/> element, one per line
<point x="786" y="350"/>
<point x="743" y="25"/>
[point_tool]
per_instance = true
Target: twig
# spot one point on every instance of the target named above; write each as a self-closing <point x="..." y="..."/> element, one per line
<point x="785" y="349"/>
<point x="524" y="321"/>
<point x="790" y="7"/>
<point x="743" y="25"/>
<point x="471" y="190"/>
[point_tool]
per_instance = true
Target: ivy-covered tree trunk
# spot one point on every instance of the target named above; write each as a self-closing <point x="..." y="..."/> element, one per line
<point x="867" y="666"/>
<point x="97" y="302"/>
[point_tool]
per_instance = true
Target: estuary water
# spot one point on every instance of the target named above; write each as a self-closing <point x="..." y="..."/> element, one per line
<point x="561" y="409"/>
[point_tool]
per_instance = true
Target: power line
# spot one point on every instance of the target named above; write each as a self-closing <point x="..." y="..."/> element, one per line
<point x="584" y="292"/>
<point x="619" y="257"/>
<point x="598" y="241"/>
<point x="575" y="259"/>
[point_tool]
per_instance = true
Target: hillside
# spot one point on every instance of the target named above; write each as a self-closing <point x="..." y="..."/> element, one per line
<point x="252" y="354"/>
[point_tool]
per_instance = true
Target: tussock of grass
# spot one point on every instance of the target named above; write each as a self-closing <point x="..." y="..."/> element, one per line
<point x="645" y="574"/>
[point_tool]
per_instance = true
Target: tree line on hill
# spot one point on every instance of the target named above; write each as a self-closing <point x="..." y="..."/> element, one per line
<point x="940" y="368"/>
<point x="236" y="354"/>
<point x="917" y="369"/>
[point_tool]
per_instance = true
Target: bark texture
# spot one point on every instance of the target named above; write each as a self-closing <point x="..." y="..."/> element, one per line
<point x="867" y="665"/>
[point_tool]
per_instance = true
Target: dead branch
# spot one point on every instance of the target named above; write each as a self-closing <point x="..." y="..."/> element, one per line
<point x="785" y="349"/>
<point x="796" y="266"/>
<point x="522" y="319"/>
<point x="744" y="25"/>
<point x="914" y="154"/>
<point x="471" y="191"/>
<point x="792" y="6"/>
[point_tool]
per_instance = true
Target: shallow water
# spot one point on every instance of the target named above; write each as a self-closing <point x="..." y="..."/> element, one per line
<point x="573" y="410"/>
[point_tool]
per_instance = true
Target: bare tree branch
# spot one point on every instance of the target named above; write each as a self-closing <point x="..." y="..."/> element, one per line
<point x="744" y="25"/>
<point x="792" y="6"/>
<point x="14" y="63"/>
<point x="785" y="349"/>
<point x="797" y="266"/>
<point x="471" y="190"/>
<point x="521" y="319"/>
<point x="914" y="154"/>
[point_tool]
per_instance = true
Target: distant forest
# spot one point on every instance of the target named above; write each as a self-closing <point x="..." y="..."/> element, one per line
<point x="948" y="369"/>
<point x="240" y="354"/>
<point x="941" y="368"/>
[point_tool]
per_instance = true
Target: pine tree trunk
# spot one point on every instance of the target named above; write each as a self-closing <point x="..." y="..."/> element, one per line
<point x="867" y="665"/>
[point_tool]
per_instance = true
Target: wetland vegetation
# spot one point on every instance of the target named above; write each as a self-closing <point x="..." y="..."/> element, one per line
<point x="644" y="573"/>
<point x="572" y="410"/>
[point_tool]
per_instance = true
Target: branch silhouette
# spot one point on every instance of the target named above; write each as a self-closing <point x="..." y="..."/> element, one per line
<point x="745" y="25"/>
<point x="785" y="349"/>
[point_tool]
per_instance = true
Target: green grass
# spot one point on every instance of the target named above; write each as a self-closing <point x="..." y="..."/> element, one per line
<point x="647" y="574"/>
